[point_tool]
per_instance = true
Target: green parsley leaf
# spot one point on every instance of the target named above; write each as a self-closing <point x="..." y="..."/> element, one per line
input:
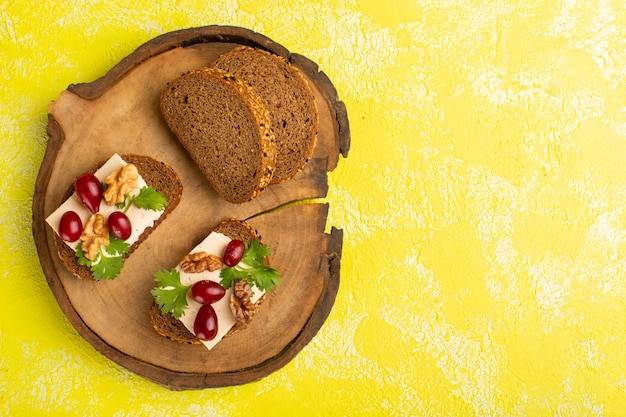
<point x="266" y="277"/>
<point x="169" y="294"/>
<point x="105" y="267"/>
<point x="228" y="275"/>
<point x="116" y="247"/>
<point x="150" y="199"/>
<point x="147" y="199"/>
<point x="108" y="262"/>
<point x="80" y="253"/>
<point x="255" y="253"/>
<point x="252" y="268"/>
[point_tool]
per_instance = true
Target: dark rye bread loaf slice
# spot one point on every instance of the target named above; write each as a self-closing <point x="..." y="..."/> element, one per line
<point x="288" y="98"/>
<point x="156" y="174"/>
<point x="168" y="326"/>
<point x="225" y="128"/>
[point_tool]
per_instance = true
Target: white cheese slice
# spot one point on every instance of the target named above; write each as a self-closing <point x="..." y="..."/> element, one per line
<point x="214" y="244"/>
<point x="139" y="219"/>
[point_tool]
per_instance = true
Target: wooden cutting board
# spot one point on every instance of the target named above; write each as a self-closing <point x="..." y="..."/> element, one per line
<point x="119" y="113"/>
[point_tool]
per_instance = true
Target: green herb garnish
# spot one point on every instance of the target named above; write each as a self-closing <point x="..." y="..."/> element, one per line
<point x="252" y="268"/>
<point x="148" y="199"/>
<point x="170" y="294"/>
<point x="108" y="262"/>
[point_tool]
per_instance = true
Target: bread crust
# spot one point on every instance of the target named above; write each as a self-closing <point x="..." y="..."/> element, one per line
<point x="267" y="154"/>
<point x="168" y="326"/>
<point x="295" y="130"/>
<point x="157" y="174"/>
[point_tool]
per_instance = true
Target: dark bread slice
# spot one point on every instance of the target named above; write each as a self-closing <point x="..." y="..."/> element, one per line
<point x="156" y="174"/>
<point x="226" y="130"/>
<point x="168" y="326"/>
<point x="288" y="98"/>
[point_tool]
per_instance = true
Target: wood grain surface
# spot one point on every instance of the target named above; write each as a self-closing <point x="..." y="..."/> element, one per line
<point x="119" y="113"/>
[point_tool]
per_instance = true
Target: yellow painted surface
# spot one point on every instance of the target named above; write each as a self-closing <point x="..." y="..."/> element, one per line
<point x="483" y="204"/>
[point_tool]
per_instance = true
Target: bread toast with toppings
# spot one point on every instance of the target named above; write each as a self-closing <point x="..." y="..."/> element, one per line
<point x="172" y="328"/>
<point x="156" y="174"/>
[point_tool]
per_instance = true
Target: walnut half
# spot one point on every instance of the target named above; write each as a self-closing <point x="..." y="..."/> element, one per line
<point x="95" y="234"/>
<point x="241" y="305"/>
<point x="120" y="182"/>
<point x="200" y="262"/>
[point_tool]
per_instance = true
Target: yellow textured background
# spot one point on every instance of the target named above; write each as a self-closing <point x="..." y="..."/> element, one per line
<point x="483" y="203"/>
